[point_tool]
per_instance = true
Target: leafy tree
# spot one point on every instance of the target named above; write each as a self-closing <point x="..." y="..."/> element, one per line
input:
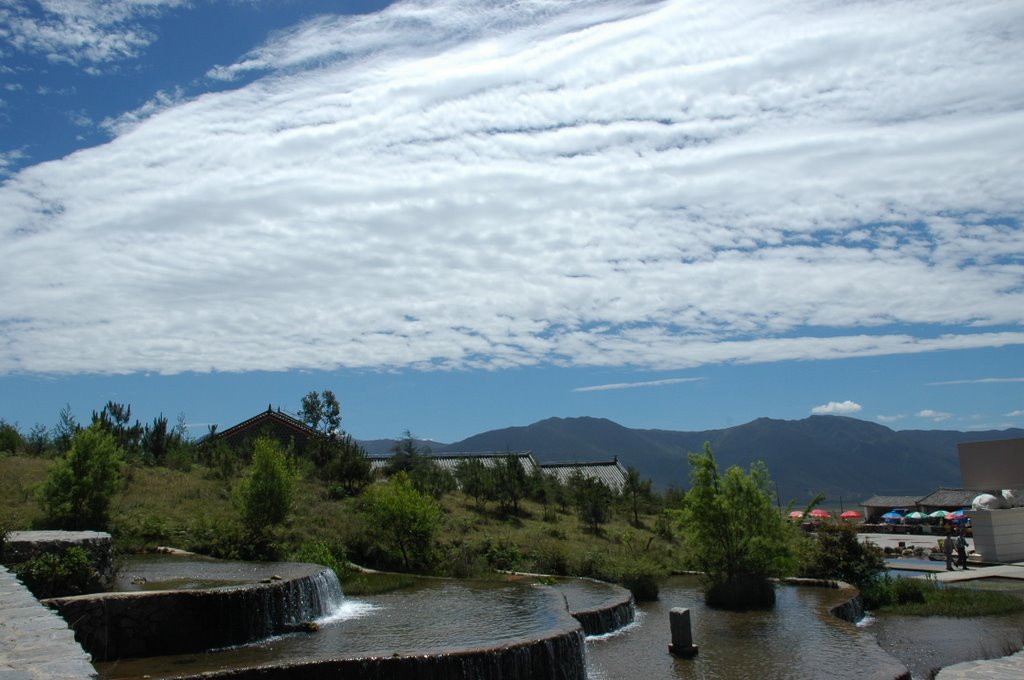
<point x="635" y="489"/>
<point x="511" y="482"/>
<point x="406" y="520"/>
<point x="593" y="502"/>
<point x="349" y="466"/>
<point x="37" y="443"/>
<point x="835" y="553"/>
<point x="336" y="455"/>
<point x="735" y="534"/>
<point x="11" y="441"/>
<point x="476" y="480"/>
<point x="322" y="412"/>
<point x="79" y="487"/>
<point x="265" y="494"/>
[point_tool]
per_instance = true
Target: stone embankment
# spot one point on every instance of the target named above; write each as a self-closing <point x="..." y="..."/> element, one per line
<point x="36" y="643"/>
<point x="22" y="546"/>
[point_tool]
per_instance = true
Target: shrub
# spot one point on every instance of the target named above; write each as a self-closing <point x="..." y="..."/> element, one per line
<point x="835" y="553"/>
<point x="59" y="574"/>
<point x="405" y="520"/>
<point x="265" y="495"/>
<point x="79" y="487"/>
<point x="320" y="552"/>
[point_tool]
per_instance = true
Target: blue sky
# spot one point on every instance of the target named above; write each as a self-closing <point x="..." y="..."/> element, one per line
<point x="466" y="215"/>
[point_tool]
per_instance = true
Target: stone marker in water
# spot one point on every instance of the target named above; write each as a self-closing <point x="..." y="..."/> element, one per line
<point x="682" y="638"/>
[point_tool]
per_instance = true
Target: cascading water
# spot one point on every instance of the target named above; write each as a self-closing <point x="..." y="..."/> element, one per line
<point x="235" y="603"/>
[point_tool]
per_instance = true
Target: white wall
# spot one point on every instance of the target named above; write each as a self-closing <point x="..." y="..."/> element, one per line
<point x="998" y="534"/>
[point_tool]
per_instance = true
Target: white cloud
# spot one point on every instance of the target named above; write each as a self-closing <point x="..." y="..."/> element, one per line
<point x="634" y="385"/>
<point x="1015" y="414"/>
<point x="979" y="381"/>
<point x="80" y="31"/>
<point x="659" y="186"/>
<point x="889" y="419"/>
<point x="833" y="408"/>
<point x="937" y="416"/>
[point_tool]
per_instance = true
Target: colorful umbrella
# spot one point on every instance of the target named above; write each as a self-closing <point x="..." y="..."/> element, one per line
<point x="892" y="516"/>
<point x="938" y="514"/>
<point x="915" y="516"/>
<point x="956" y="516"/>
<point x="851" y="514"/>
<point x="818" y="513"/>
<point x="796" y="514"/>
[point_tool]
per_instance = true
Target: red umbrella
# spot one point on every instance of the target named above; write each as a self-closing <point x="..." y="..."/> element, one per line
<point x="851" y="514"/>
<point x="819" y="513"/>
<point x="796" y="514"/>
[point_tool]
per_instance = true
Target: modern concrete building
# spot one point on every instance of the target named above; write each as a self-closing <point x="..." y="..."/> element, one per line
<point x="998" y="534"/>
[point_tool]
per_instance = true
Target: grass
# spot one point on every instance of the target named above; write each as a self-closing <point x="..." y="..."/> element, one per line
<point x="925" y="597"/>
<point x="195" y="511"/>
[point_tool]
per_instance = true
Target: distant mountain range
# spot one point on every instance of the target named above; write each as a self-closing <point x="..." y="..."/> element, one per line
<point x="844" y="458"/>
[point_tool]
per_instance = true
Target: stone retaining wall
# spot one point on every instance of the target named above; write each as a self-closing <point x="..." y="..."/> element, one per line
<point x="615" y="613"/>
<point x="152" y="623"/>
<point x="35" y="643"/>
<point x="557" y="657"/>
<point x="22" y="546"/>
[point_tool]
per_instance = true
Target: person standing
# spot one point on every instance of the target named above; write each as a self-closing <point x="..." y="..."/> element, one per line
<point x="947" y="548"/>
<point x="961" y="548"/>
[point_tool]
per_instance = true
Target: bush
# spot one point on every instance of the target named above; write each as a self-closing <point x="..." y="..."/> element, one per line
<point x="835" y="553"/>
<point x="320" y="552"/>
<point x="404" y="519"/>
<point x="79" y="487"/>
<point x="59" y="574"/>
<point x="265" y="495"/>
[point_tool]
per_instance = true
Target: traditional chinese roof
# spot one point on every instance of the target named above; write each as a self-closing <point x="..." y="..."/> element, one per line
<point x="450" y="461"/>
<point x="889" y="502"/>
<point x="280" y="424"/>
<point x="610" y="473"/>
<point x="950" y="499"/>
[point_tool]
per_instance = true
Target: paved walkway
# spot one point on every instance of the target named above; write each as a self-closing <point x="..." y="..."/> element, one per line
<point x="36" y="643"/>
<point x="1005" y="668"/>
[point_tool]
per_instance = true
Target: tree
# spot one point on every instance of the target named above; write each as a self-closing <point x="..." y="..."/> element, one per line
<point x="265" y="494"/>
<point x="510" y="482"/>
<point x="476" y="480"/>
<point x="11" y="441"/>
<point x="405" y="455"/>
<point x="835" y="553"/>
<point x="65" y="430"/>
<point x="406" y="519"/>
<point x="322" y="412"/>
<point x="636" y="488"/>
<point x="37" y="443"/>
<point x="116" y="419"/>
<point x="349" y="466"/>
<point x="593" y="502"/>
<point x="155" y="441"/>
<point x="737" y="537"/>
<point x="79" y="487"/>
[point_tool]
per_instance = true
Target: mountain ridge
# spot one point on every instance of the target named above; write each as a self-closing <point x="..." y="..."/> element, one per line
<point x="844" y="458"/>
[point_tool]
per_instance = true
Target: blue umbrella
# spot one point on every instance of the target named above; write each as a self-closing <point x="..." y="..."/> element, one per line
<point x="892" y="516"/>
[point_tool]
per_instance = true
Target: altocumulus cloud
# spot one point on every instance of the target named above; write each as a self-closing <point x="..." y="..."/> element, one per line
<point x="475" y="184"/>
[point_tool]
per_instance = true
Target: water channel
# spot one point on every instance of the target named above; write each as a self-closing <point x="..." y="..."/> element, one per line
<point x="796" y="639"/>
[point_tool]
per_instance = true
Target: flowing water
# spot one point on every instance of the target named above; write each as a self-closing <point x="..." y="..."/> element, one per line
<point x="432" y="617"/>
<point x="796" y="639"/>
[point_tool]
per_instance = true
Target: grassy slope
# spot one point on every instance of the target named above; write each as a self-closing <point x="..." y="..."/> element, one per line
<point x="190" y="510"/>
